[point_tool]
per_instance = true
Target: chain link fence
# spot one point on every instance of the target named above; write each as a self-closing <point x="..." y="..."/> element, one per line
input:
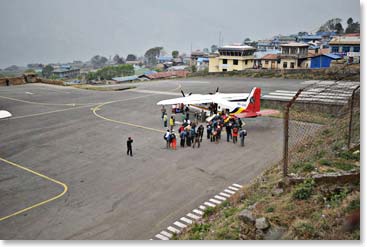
<point x="321" y="122"/>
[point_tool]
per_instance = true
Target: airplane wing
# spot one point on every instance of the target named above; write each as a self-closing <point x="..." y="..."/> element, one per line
<point x="234" y="96"/>
<point x="189" y="100"/>
<point x="4" y="114"/>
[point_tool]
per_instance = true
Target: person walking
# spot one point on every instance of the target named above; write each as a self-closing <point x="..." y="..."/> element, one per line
<point x="208" y="130"/>
<point x="235" y="134"/>
<point x="229" y="131"/>
<point x="163" y="110"/>
<point x="165" y="120"/>
<point x="167" y="137"/>
<point x="188" y="137"/>
<point x="129" y="146"/>
<point x="7" y="82"/>
<point x="173" y="140"/>
<point x="201" y="132"/>
<point x="196" y="140"/>
<point x="171" y="123"/>
<point x="243" y="134"/>
<point x="182" y="138"/>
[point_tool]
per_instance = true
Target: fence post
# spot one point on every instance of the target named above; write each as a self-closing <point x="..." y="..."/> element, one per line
<point x="351" y="117"/>
<point x="286" y="132"/>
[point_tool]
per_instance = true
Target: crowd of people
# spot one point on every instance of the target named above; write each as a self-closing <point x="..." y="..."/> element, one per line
<point x="191" y="133"/>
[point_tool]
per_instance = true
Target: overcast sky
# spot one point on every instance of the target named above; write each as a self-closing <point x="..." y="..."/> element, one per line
<point x="48" y="31"/>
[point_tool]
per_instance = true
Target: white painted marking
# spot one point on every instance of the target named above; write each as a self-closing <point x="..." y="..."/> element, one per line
<point x="28" y="93"/>
<point x="186" y="220"/>
<point x="209" y="204"/>
<point x="161" y="237"/>
<point x="197" y="211"/>
<point x="237" y="185"/>
<point x="167" y="234"/>
<point x="282" y="94"/>
<point x="220" y="198"/>
<point x="233" y="188"/>
<point x="229" y="191"/>
<point x="276" y="97"/>
<point x="202" y="207"/>
<point x="224" y="194"/>
<point x="193" y="216"/>
<point x="215" y="201"/>
<point x="4" y="114"/>
<point x="179" y="224"/>
<point x="155" y="92"/>
<point x="172" y="229"/>
<point x="286" y="91"/>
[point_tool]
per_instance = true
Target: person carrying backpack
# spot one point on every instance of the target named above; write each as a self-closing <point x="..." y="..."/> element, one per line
<point x="167" y="137"/>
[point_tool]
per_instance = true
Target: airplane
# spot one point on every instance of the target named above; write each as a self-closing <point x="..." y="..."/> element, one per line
<point x="239" y="105"/>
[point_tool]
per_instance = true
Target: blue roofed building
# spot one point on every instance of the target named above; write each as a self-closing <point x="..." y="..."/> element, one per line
<point x="323" y="60"/>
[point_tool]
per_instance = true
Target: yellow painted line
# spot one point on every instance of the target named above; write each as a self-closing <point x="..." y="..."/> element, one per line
<point x="40" y="203"/>
<point x="98" y="107"/>
<point x="95" y="109"/>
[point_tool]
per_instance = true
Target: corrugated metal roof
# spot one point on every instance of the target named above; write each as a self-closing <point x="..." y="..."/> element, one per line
<point x="125" y="78"/>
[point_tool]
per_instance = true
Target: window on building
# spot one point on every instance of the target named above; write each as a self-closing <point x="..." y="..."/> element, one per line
<point x="224" y="70"/>
<point x="235" y="62"/>
<point x="346" y="48"/>
<point x="266" y="62"/>
<point x="292" y="65"/>
<point x="225" y="61"/>
<point x="356" y="49"/>
<point x="245" y="62"/>
<point x="334" y="49"/>
<point x="285" y="65"/>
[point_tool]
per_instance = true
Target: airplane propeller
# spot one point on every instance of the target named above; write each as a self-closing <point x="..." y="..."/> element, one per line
<point x="183" y="94"/>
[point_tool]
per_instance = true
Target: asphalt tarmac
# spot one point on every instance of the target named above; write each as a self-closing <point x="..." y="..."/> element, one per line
<point x="64" y="172"/>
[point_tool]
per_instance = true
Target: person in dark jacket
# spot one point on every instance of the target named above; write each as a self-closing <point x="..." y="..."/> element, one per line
<point x="243" y="134"/>
<point x="129" y="146"/>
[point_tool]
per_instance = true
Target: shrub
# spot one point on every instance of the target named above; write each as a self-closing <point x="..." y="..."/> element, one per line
<point x="270" y="209"/>
<point x="324" y="162"/>
<point x="304" y="190"/>
<point x="345" y="166"/>
<point x="349" y="155"/>
<point x="209" y="211"/>
<point x="308" y="167"/>
<point x="229" y="212"/>
<point x="353" y="205"/>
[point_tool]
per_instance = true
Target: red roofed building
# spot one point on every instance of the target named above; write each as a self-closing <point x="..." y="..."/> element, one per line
<point x="167" y="74"/>
<point x="270" y="61"/>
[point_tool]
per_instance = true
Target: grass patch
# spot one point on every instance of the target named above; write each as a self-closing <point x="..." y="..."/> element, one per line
<point x="304" y="190"/>
<point x="97" y="88"/>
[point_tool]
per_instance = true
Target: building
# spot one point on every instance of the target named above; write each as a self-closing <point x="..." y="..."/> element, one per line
<point x="195" y="55"/>
<point x="294" y="55"/>
<point x="232" y="58"/>
<point x="323" y="60"/>
<point x="270" y="61"/>
<point x="347" y="46"/>
<point x="66" y="72"/>
<point x="281" y="40"/>
<point x="310" y="38"/>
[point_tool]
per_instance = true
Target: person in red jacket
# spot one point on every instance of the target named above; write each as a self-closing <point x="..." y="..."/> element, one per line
<point x="235" y="134"/>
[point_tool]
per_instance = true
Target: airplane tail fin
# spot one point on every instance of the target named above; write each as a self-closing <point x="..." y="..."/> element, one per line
<point x="253" y="101"/>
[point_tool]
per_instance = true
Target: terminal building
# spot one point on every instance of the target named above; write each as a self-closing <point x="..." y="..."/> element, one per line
<point x="232" y="58"/>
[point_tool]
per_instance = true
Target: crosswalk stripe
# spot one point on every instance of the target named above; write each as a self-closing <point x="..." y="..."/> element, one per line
<point x="179" y="224"/>
<point x="233" y="188"/>
<point x="202" y="207"/>
<point x="172" y="229"/>
<point x="186" y="220"/>
<point x="229" y="191"/>
<point x="193" y="216"/>
<point x="220" y="198"/>
<point x="161" y="237"/>
<point x="209" y="204"/>
<point x="196" y="211"/>
<point x="237" y="185"/>
<point x="167" y="234"/>
<point x="224" y="194"/>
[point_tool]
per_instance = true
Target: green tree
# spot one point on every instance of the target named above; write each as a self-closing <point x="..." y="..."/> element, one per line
<point x="175" y="54"/>
<point x="329" y="26"/>
<point x="214" y="48"/>
<point x="118" y="60"/>
<point x="151" y="55"/>
<point x="131" y="57"/>
<point x="98" y="61"/>
<point x="47" y="71"/>
<point x="353" y="27"/>
<point x="339" y="28"/>
<point x="109" y="72"/>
